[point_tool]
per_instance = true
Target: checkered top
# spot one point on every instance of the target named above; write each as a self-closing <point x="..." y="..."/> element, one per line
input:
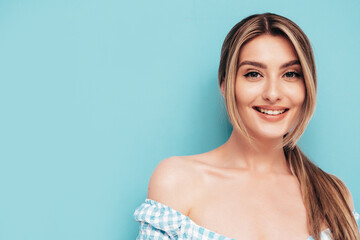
<point x="161" y="222"/>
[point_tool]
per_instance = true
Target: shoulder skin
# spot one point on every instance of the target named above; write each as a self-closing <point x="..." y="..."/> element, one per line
<point x="172" y="183"/>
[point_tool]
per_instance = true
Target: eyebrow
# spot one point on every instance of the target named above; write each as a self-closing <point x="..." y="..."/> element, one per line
<point x="261" y="65"/>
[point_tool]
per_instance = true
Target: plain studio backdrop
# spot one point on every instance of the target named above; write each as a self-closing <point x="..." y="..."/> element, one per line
<point x="95" y="93"/>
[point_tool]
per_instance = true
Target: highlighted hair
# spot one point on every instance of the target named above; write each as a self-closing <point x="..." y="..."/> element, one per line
<point x="324" y="195"/>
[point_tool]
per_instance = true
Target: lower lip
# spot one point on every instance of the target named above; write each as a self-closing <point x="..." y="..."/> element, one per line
<point x="271" y="118"/>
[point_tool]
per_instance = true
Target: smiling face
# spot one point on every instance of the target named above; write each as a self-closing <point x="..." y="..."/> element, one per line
<point x="269" y="86"/>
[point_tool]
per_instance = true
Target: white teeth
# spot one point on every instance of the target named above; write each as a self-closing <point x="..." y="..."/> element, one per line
<point x="271" y="112"/>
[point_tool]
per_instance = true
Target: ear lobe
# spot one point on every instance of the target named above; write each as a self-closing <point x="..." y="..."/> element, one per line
<point x="222" y="89"/>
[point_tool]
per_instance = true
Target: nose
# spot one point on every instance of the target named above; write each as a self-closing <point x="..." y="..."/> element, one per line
<point x="272" y="91"/>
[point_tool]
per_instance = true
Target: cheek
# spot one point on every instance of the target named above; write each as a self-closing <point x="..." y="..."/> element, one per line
<point x="302" y="93"/>
<point x="246" y="93"/>
<point x="297" y="94"/>
<point x="297" y="99"/>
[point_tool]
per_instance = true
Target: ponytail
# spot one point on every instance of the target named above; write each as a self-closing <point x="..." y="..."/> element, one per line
<point x="324" y="196"/>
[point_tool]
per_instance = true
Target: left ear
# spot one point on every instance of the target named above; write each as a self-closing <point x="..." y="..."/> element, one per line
<point x="222" y="87"/>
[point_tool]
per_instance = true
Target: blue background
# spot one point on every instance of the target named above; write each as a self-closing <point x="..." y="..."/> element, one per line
<point x="94" y="94"/>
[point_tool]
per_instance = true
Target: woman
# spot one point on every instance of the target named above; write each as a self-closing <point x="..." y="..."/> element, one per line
<point x="258" y="185"/>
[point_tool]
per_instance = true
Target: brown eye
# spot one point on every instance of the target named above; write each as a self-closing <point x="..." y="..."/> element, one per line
<point x="252" y="75"/>
<point x="292" y="75"/>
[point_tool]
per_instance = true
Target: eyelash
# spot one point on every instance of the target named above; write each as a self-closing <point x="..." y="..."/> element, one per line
<point x="296" y="75"/>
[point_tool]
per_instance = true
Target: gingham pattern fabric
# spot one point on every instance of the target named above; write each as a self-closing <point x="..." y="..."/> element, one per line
<point x="161" y="222"/>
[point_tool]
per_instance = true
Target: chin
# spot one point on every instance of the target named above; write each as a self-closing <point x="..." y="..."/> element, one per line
<point x="271" y="138"/>
<point x="269" y="135"/>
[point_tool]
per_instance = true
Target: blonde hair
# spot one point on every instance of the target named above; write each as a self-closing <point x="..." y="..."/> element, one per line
<point x="324" y="195"/>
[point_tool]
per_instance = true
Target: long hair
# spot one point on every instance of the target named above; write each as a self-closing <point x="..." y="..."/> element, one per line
<point x="324" y="195"/>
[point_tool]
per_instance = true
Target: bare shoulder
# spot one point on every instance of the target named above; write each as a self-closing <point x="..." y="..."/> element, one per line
<point x="173" y="183"/>
<point x="348" y="195"/>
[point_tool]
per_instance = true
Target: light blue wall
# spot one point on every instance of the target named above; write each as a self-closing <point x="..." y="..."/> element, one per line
<point x="95" y="93"/>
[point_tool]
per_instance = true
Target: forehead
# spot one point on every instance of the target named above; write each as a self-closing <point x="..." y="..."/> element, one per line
<point x="268" y="48"/>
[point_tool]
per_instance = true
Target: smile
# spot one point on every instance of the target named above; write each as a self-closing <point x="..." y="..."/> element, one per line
<point x="270" y="111"/>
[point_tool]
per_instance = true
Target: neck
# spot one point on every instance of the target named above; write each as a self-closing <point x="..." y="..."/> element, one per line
<point x="264" y="157"/>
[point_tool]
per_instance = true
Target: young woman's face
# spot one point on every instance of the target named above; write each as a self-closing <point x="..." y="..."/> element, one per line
<point x="269" y="86"/>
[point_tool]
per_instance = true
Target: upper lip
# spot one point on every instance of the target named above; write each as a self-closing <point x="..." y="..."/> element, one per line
<point x="269" y="107"/>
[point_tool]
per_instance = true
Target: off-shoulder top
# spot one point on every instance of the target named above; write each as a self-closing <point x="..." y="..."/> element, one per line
<point x="161" y="222"/>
